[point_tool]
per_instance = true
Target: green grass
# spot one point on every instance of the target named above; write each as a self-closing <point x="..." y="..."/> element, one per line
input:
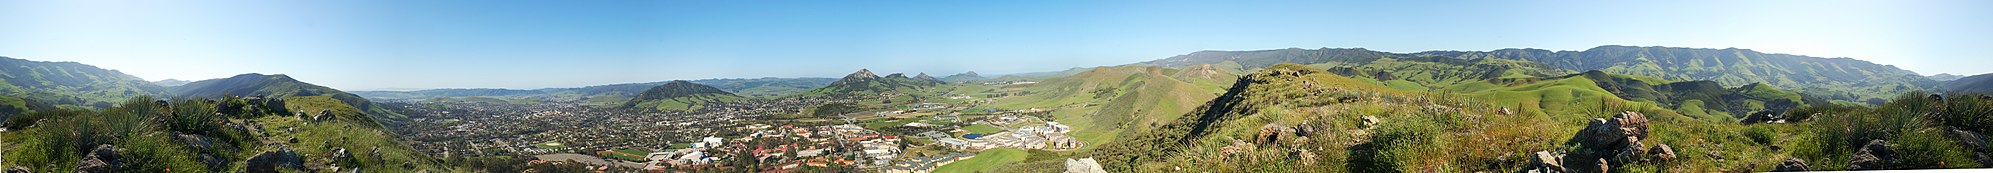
<point x="986" y="160"/>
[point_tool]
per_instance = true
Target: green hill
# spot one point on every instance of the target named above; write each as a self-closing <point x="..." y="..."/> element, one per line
<point x="1701" y="98"/>
<point x="276" y="86"/>
<point x="864" y="83"/>
<point x="65" y="84"/>
<point x="226" y="135"/>
<point x="679" y="96"/>
<point x="1103" y="102"/>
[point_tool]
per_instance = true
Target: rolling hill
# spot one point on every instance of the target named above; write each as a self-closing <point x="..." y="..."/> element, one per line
<point x="65" y="84"/>
<point x="1104" y="102"/>
<point x="679" y="96"/>
<point x="276" y="86"/>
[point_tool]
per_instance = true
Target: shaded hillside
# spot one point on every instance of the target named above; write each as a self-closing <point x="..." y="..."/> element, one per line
<point x="1982" y="84"/>
<point x="68" y="84"/>
<point x="766" y="87"/>
<point x="1701" y="98"/>
<point x="679" y="96"/>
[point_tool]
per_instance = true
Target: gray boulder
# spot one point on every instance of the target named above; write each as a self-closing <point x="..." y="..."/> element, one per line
<point x="269" y="161"/>
<point x="1792" y="165"/>
<point x="1873" y="156"/>
<point x="1609" y="134"/>
<point x="104" y="158"/>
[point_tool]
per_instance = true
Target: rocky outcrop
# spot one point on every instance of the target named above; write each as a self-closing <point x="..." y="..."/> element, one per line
<point x="269" y="161"/>
<point x="1792" y="165"/>
<point x="1613" y="133"/>
<point x="104" y="158"/>
<point x="1271" y="133"/>
<point x="1615" y="141"/>
<point x="1970" y="139"/>
<point x="1873" y="156"/>
<point x="323" y="116"/>
<point x="1633" y="151"/>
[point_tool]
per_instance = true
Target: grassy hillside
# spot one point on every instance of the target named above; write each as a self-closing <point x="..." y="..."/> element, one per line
<point x="67" y="84"/>
<point x="195" y="136"/>
<point x="1290" y="118"/>
<point x="1103" y="102"/>
<point x="276" y="86"/>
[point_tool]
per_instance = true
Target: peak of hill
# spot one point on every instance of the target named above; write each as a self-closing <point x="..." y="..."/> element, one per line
<point x="861" y="74"/>
<point x="925" y="77"/>
<point x="276" y="86"/>
<point x="864" y="83"/>
<point x="679" y="95"/>
<point x="963" y="77"/>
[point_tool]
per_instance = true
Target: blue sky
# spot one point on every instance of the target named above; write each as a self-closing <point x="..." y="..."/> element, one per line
<point x="363" y="45"/>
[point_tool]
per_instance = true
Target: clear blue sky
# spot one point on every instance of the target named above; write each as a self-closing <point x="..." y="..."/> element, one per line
<point x="361" y="45"/>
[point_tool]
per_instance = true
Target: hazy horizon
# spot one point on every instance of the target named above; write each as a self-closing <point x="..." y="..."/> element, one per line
<point x="375" y="45"/>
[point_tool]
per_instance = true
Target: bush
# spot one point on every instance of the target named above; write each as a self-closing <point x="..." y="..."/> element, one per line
<point x="1764" y="135"/>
